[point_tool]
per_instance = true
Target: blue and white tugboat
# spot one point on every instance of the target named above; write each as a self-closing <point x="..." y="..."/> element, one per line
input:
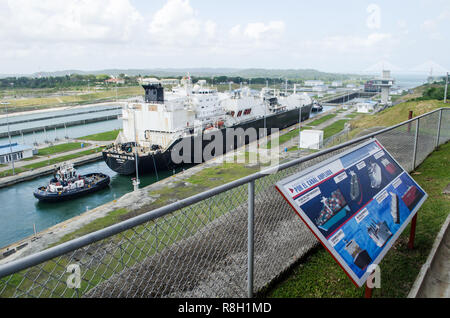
<point x="67" y="184"/>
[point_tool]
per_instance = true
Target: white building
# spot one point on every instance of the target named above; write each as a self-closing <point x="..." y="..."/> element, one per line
<point x="320" y="88"/>
<point x="170" y="81"/>
<point x="311" y="139"/>
<point x="15" y="152"/>
<point x="385" y="82"/>
<point x="366" y="107"/>
<point x="336" y="84"/>
<point x="313" y="83"/>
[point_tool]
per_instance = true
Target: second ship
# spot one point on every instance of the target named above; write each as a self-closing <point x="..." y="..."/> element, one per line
<point x="157" y="126"/>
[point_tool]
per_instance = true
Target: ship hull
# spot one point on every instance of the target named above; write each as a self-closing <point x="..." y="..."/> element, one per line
<point x="44" y="196"/>
<point x="125" y="164"/>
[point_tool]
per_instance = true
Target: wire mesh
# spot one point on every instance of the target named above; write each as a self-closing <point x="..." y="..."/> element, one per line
<point x="201" y="249"/>
<point x="426" y="139"/>
<point x="444" y="132"/>
<point x="400" y="144"/>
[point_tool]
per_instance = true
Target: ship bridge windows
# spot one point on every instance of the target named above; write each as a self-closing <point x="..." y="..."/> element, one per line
<point x="239" y="113"/>
<point x="247" y="111"/>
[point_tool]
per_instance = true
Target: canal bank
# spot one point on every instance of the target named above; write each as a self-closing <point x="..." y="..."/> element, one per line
<point x="58" y="125"/>
<point x="32" y="174"/>
<point x="37" y="127"/>
<point x="50" y="111"/>
<point x="133" y="203"/>
<point x="153" y="195"/>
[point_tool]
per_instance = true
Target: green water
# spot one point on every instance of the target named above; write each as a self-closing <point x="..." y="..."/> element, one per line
<point x="19" y="209"/>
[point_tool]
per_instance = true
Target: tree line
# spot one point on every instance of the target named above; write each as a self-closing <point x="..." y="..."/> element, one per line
<point x="78" y="80"/>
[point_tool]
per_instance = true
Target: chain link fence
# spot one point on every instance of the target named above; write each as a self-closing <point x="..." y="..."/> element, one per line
<point x="231" y="241"/>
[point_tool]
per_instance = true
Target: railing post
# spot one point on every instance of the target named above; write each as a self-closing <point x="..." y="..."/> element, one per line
<point x="415" y="144"/>
<point x="410" y="116"/>
<point x="439" y="128"/>
<point x="250" y="241"/>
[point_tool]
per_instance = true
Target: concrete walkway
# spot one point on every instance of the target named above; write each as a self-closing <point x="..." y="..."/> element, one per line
<point x="433" y="280"/>
<point x="339" y="116"/>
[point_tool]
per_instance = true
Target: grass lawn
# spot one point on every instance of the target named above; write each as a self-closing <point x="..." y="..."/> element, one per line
<point x="287" y="136"/>
<point x="60" y="148"/>
<point x="322" y="119"/>
<point x="334" y="128"/>
<point x="100" y="223"/>
<point x="105" y="136"/>
<point x="320" y="276"/>
<point x="206" y="179"/>
<point x="295" y="148"/>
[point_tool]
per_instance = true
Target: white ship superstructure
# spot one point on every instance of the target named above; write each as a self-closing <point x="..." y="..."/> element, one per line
<point x="241" y="106"/>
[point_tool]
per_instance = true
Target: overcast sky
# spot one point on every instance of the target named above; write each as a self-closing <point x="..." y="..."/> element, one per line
<point x="328" y="35"/>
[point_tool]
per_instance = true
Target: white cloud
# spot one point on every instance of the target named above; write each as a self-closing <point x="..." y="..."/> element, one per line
<point x="350" y="43"/>
<point x="74" y="20"/>
<point x="210" y="28"/>
<point x="261" y="31"/>
<point x="235" y="31"/>
<point x="403" y="25"/>
<point x="433" y="26"/>
<point x="177" y="23"/>
<point x="253" y="36"/>
<point x="257" y="31"/>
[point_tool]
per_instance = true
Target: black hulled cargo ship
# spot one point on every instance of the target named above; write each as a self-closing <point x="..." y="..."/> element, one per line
<point x="191" y="118"/>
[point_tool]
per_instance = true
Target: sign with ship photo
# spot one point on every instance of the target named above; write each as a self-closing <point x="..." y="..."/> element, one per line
<point x="356" y="203"/>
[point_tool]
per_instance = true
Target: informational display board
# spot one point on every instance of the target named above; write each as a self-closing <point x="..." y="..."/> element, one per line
<point x="356" y="203"/>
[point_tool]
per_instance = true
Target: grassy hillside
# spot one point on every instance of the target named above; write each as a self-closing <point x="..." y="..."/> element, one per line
<point x="394" y="115"/>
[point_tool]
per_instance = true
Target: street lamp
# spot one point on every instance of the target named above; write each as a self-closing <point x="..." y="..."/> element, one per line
<point x="299" y="125"/>
<point x="9" y="136"/>
<point x="445" y="91"/>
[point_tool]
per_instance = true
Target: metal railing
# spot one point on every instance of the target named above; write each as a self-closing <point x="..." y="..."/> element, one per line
<point x="230" y="241"/>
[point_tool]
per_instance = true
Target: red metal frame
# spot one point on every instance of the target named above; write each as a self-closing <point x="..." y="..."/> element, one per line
<point x="412" y="233"/>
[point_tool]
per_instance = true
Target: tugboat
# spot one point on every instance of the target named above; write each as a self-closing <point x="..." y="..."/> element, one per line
<point x="67" y="184"/>
<point x="316" y="107"/>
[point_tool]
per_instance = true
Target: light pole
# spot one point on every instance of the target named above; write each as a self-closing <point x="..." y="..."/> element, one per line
<point x="9" y="137"/>
<point x="265" y="115"/>
<point x="137" y="182"/>
<point x="299" y="125"/>
<point x="445" y="91"/>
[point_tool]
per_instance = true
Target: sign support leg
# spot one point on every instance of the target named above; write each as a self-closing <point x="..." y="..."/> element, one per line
<point x="410" y="116"/>
<point x="412" y="233"/>
<point x="368" y="292"/>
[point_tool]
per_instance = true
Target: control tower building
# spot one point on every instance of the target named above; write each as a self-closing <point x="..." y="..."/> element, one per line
<point x="385" y="83"/>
